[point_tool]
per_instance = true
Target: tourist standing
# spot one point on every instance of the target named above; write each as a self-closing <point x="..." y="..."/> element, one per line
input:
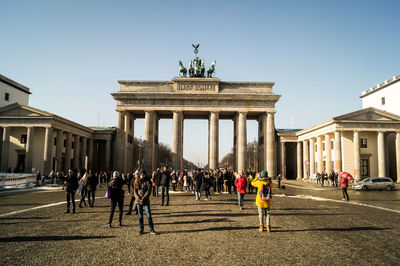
<point x="82" y="190"/>
<point x="241" y="185"/>
<point x="117" y="196"/>
<point x="92" y="186"/>
<point x="71" y="185"/>
<point x="131" y="183"/>
<point x="263" y="199"/>
<point x="207" y="183"/>
<point x="279" y="179"/>
<point x="198" y="182"/>
<point x="164" y="183"/>
<point x="142" y="190"/>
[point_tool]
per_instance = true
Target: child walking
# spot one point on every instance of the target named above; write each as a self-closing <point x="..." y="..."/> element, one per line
<point x="263" y="199"/>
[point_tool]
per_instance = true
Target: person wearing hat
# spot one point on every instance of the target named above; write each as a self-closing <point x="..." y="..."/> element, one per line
<point x="263" y="199"/>
<point x="142" y="190"/>
<point x="117" y="196"/>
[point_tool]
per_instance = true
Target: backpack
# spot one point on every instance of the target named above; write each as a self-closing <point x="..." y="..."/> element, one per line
<point x="265" y="192"/>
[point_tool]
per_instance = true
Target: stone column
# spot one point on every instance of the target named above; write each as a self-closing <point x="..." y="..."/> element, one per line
<point x="90" y="154"/>
<point x="148" y="141"/>
<point x="47" y="154"/>
<point x="262" y="142"/>
<point x="28" y="149"/>
<point x="177" y="140"/>
<point x="128" y="141"/>
<point x="270" y="147"/>
<point x="68" y="150"/>
<point x="77" y="145"/>
<point x="320" y="159"/>
<point x="299" y="161"/>
<point x="283" y="159"/>
<point x="356" y="145"/>
<point x="235" y="142"/>
<point x="338" y="152"/>
<point x="381" y="155"/>
<point x="312" y="158"/>
<point x="119" y="148"/>
<point x="213" y="145"/>
<point x="398" y="156"/>
<point x="59" y="148"/>
<point x="108" y="155"/>
<point x="328" y="154"/>
<point x="5" y="149"/>
<point x="242" y="142"/>
<point x="83" y="152"/>
<point x="306" y="161"/>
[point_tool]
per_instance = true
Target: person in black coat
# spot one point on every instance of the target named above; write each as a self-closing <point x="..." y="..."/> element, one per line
<point x="117" y="196"/>
<point x="71" y="185"/>
<point x="93" y="181"/>
<point x="164" y="183"/>
<point x="131" y="183"/>
<point x="198" y="183"/>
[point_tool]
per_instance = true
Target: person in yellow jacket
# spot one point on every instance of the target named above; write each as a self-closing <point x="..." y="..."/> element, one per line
<point x="263" y="199"/>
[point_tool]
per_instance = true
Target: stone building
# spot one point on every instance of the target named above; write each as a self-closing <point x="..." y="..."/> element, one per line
<point x="37" y="140"/>
<point x="12" y="92"/>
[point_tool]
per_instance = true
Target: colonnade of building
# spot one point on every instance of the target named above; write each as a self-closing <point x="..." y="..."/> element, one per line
<point x="315" y="154"/>
<point x="125" y="134"/>
<point x="71" y="151"/>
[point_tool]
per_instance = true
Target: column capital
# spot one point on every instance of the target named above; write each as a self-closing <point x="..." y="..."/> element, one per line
<point x="215" y="112"/>
<point x="271" y="112"/>
<point x="176" y="111"/>
<point x="242" y="112"/>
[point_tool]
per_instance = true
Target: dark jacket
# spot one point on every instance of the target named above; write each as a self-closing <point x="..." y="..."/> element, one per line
<point x="143" y="192"/>
<point x="207" y="182"/>
<point x="71" y="183"/>
<point x="165" y="178"/>
<point x="198" y="181"/>
<point x="93" y="181"/>
<point x="157" y="177"/>
<point x="116" y="188"/>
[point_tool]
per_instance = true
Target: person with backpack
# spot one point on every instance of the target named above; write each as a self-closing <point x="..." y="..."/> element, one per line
<point x="263" y="199"/>
<point x="241" y="185"/>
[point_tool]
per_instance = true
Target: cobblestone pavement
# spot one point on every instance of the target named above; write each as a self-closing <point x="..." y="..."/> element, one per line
<point x="215" y="232"/>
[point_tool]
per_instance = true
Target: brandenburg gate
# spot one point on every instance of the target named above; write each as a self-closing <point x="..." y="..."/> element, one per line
<point x="195" y="97"/>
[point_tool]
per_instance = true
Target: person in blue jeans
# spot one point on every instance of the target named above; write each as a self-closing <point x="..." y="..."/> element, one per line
<point x="164" y="183"/>
<point x="142" y="193"/>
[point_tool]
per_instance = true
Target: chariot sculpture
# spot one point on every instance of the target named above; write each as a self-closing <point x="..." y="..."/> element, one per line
<point x="196" y="67"/>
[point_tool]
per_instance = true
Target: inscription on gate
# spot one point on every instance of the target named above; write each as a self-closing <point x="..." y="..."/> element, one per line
<point x="204" y="85"/>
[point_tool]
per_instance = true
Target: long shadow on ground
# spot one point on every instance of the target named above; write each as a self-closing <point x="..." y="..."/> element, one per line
<point x="48" y="238"/>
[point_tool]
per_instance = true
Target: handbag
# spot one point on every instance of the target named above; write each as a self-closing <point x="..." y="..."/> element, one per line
<point x="108" y="193"/>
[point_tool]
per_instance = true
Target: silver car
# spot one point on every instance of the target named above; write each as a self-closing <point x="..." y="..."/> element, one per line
<point x="375" y="183"/>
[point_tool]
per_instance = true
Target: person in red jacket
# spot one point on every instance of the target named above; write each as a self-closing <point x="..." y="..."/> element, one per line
<point x="344" y="183"/>
<point x="241" y="185"/>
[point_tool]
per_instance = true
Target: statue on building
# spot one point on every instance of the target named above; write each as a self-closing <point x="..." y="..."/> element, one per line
<point x="196" y="67"/>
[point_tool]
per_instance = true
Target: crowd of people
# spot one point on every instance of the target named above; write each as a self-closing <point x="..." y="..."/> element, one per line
<point x="141" y="186"/>
<point x="323" y="178"/>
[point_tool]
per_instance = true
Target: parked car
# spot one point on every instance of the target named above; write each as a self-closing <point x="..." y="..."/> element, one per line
<point x="375" y="183"/>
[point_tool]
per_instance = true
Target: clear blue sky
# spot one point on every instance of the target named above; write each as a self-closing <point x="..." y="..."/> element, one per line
<point x="321" y="54"/>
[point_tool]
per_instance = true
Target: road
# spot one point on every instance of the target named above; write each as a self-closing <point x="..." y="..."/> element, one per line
<point x="310" y="226"/>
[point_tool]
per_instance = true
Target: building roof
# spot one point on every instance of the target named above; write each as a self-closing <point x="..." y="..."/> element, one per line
<point x="14" y="84"/>
<point x="380" y="86"/>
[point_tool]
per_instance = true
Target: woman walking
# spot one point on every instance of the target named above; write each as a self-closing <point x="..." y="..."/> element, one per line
<point x="142" y="190"/>
<point x="82" y="190"/>
<point x="117" y="196"/>
<point x="263" y="199"/>
<point x="241" y="185"/>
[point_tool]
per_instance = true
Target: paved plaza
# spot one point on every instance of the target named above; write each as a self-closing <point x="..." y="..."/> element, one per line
<point x="214" y="232"/>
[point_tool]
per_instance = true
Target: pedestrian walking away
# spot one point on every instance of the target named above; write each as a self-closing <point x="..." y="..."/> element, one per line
<point x="117" y="196"/>
<point x="82" y="190"/>
<point x="142" y="190"/>
<point x="198" y="183"/>
<point x="263" y="199"/>
<point x="344" y="183"/>
<point x="241" y="185"/>
<point x="279" y="179"/>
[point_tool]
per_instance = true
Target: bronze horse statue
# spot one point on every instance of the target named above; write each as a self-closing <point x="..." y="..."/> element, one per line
<point x="211" y="70"/>
<point x="182" y="69"/>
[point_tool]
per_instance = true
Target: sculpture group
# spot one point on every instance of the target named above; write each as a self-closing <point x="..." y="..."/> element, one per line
<point x="196" y="67"/>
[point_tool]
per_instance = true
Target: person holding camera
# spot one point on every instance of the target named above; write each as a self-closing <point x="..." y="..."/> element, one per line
<point x="117" y="196"/>
<point x="142" y="191"/>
